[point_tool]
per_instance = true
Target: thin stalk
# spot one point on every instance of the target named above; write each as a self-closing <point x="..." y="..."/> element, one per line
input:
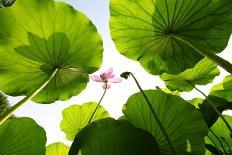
<point x="214" y="107"/>
<point x="172" y="146"/>
<point x="10" y="112"/>
<point x="95" y="110"/>
<point x="209" y="54"/>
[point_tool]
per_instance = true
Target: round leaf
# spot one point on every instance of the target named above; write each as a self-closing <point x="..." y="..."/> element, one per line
<point x="203" y="73"/>
<point x="39" y="36"/>
<point x="57" y="149"/>
<point x="158" y="33"/>
<point x="183" y="123"/>
<point x="224" y="89"/>
<point x="219" y="136"/>
<point x="111" y="137"/>
<point x="22" y="136"/>
<point x="76" y="117"/>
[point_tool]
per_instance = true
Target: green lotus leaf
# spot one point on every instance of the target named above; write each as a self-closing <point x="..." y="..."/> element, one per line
<point x="182" y="121"/>
<point x="77" y="117"/>
<point x="22" y="136"/>
<point x="113" y="137"/>
<point x="203" y="73"/>
<point x="224" y="89"/>
<point x="39" y="36"/>
<point x="168" y="91"/>
<point x="165" y="36"/>
<point x="209" y="114"/>
<point x="57" y="149"/>
<point x="219" y="136"/>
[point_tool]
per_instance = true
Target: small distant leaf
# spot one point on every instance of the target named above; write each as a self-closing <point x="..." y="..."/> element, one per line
<point x="4" y="105"/>
<point x="57" y="149"/>
<point x="76" y="117"/>
<point x="22" y="136"/>
<point x="224" y="89"/>
<point x="155" y="32"/>
<point x="6" y="3"/>
<point x="203" y="73"/>
<point x="219" y="136"/>
<point x="209" y="114"/>
<point x="168" y="91"/>
<point x="183" y="123"/>
<point x="113" y="137"/>
<point x="196" y="102"/>
<point x="39" y="36"/>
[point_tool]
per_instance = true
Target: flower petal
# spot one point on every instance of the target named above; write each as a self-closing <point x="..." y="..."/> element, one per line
<point x="96" y="78"/>
<point x="115" y="80"/>
<point x="109" y="71"/>
<point x="104" y="86"/>
<point x="104" y="76"/>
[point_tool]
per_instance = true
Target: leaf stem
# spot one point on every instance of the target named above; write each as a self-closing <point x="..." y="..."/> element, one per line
<point x="214" y="107"/>
<point x="95" y="110"/>
<point x="10" y="112"/>
<point x="172" y="146"/>
<point x="209" y="54"/>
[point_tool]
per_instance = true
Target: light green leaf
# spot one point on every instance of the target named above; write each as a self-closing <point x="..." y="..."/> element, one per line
<point x="76" y="117"/>
<point x="57" y="149"/>
<point x="224" y="89"/>
<point x="165" y="35"/>
<point x="183" y="123"/>
<point x="219" y="136"/>
<point x="168" y="91"/>
<point x="22" y="136"/>
<point x="113" y="137"/>
<point x="39" y="36"/>
<point x="4" y="105"/>
<point x="203" y="73"/>
<point x="196" y="101"/>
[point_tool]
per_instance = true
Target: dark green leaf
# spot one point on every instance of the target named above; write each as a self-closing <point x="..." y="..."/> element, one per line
<point x="155" y="32"/>
<point x="22" y="136"/>
<point x="4" y="105"/>
<point x="182" y="121"/>
<point x="39" y="36"/>
<point x="112" y="137"/>
<point x="209" y="113"/>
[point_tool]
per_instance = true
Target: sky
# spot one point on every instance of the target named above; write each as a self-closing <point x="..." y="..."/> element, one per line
<point x="49" y="116"/>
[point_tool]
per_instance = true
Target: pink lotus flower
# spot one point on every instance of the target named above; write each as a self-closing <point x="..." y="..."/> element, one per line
<point x="106" y="77"/>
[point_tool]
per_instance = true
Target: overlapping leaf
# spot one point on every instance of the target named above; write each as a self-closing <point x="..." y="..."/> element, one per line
<point x="219" y="136"/>
<point x="183" y="123"/>
<point x="111" y="137"/>
<point x="224" y="89"/>
<point x="57" y="149"/>
<point x="39" y="36"/>
<point x="165" y="35"/>
<point x="22" y="136"/>
<point x="203" y="73"/>
<point x="76" y="117"/>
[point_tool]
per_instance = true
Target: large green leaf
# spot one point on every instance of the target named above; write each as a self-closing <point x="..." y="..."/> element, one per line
<point x="112" y="137"/>
<point x="224" y="89"/>
<point x="22" y="136"/>
<point x="39" y="36"/>
<point x="203" y="73"/>
<point x="57" y="149"/>
<point x="161" y="34"/>
<point x="183" y="123"/>
<point x="76" y="117"/>
<point x="219" y="136"/>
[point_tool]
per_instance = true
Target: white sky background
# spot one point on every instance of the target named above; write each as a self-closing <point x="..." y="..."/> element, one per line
<point x="49" y="116"/>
